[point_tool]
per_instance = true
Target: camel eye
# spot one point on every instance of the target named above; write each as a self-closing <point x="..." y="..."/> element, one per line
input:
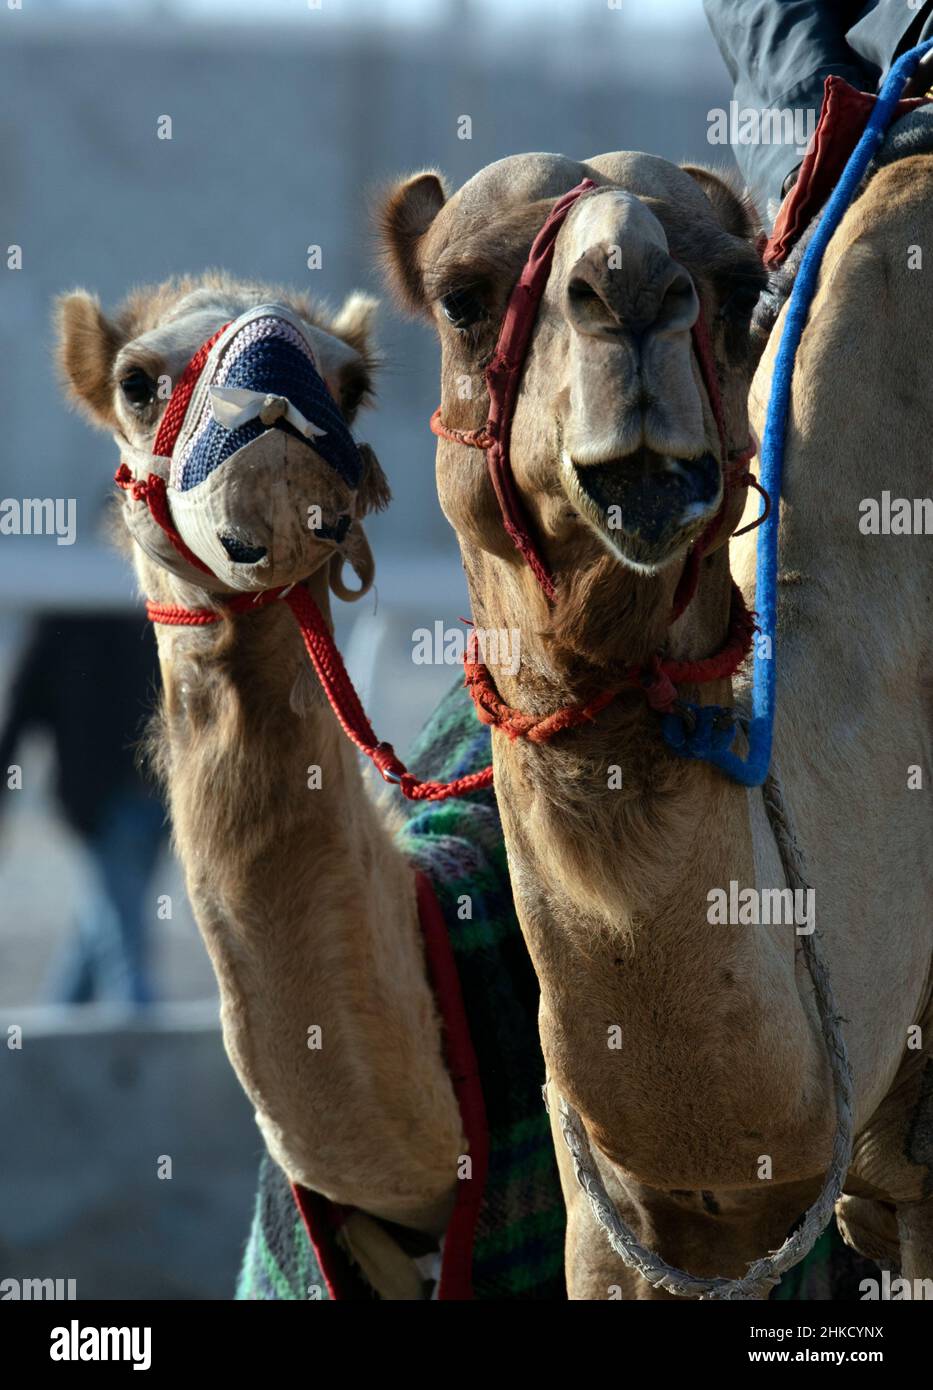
<point x="138" y="388"/>
<point x="463" y="308"/>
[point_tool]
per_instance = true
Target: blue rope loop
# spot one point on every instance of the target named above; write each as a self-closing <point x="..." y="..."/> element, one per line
<point x="699" y="731"/>
<point x="705" y="741"/>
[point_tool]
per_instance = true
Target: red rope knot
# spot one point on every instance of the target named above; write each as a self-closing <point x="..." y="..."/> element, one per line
<point x="473" y="439"/>
<point x="387" y="762"/>
<point x="659" y="689"/>
<point x="136" y="487"/>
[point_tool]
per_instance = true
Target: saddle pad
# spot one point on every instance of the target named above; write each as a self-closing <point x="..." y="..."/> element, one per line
<point x="843" y="117"/>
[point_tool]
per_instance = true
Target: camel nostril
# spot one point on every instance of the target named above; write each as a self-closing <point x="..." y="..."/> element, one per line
<point x="590" y="307"/>
<point x="681" y="288"/>
<point x="581" y="290"/>
<point x="241" y="552"/>
<point x="679" y="304"/>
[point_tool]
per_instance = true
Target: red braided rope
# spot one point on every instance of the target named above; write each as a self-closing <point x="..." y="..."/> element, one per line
<point x="473" y="439"/>
<point x="181" y="394"/>
<point x="344" y="701"/>
<point x="173" y="615"/>
<point x="657" y="680"/>
<point x="335" y="682"/>
<point x="151" y="490"/>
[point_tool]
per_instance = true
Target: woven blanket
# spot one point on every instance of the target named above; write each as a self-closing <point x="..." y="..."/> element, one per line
<point x="518" y="1234"/>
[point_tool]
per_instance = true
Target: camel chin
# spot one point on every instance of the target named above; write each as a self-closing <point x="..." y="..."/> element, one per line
<point x="646" y="507"/>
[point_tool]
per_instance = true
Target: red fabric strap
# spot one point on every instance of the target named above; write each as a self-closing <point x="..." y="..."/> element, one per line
<point x="504" y="373"/>
<point x="703" y="347"/>
<point x="503" y="377"/>
<point x="456" y="1280"/>
<point x="323" y="1219"/>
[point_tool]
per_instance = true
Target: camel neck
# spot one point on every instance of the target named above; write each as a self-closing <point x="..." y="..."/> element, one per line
<point x="615" y="846"/>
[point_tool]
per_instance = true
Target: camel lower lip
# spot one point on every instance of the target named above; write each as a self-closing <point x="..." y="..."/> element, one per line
<point x="647" y="496"/>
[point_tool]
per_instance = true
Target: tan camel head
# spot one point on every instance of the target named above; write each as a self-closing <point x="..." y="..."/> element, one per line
<point x="121" y="370"/>
<point x="614" y="445"/>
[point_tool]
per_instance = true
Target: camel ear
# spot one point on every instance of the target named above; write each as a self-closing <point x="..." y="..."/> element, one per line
<point x="731" y="204"/>
<point x="404" y="217"/>
<point x="354" y="325"/>
<point x="86" y="346"/>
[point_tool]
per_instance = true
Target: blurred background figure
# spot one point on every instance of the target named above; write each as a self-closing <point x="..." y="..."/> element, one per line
<point x="85" y="680"/>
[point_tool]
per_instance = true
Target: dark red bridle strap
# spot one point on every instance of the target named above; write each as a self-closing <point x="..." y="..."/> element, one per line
<point x="703" y="347"/>
<point x="503" y="378"/>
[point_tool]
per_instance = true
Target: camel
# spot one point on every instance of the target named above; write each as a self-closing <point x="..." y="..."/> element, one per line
<point x="306" y="904"/>
<point x="688" y="1046"/>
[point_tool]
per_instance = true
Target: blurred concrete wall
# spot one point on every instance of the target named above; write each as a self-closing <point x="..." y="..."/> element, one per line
<point x="93" y="1103"/>
<point x="279" y="139"/>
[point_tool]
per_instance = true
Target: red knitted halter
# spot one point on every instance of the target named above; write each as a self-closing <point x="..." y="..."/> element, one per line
<point x="503" y="378"/>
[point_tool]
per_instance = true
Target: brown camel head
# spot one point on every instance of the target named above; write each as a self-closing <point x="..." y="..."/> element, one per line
<point x="614" y="446"/>
<point x="276" y="508"/>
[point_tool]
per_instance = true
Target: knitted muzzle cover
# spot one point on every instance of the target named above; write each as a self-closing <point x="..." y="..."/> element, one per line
<point x="244" y="490"/>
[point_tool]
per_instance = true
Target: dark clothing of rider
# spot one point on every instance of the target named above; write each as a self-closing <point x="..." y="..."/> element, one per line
<point x="779" y="53"/>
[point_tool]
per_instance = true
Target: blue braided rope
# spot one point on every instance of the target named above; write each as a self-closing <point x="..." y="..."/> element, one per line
<point x="710" y="740"/>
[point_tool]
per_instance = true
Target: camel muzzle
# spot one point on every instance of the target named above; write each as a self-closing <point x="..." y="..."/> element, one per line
<point x="259" y="469"/>
<point x="648" y="506"/>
